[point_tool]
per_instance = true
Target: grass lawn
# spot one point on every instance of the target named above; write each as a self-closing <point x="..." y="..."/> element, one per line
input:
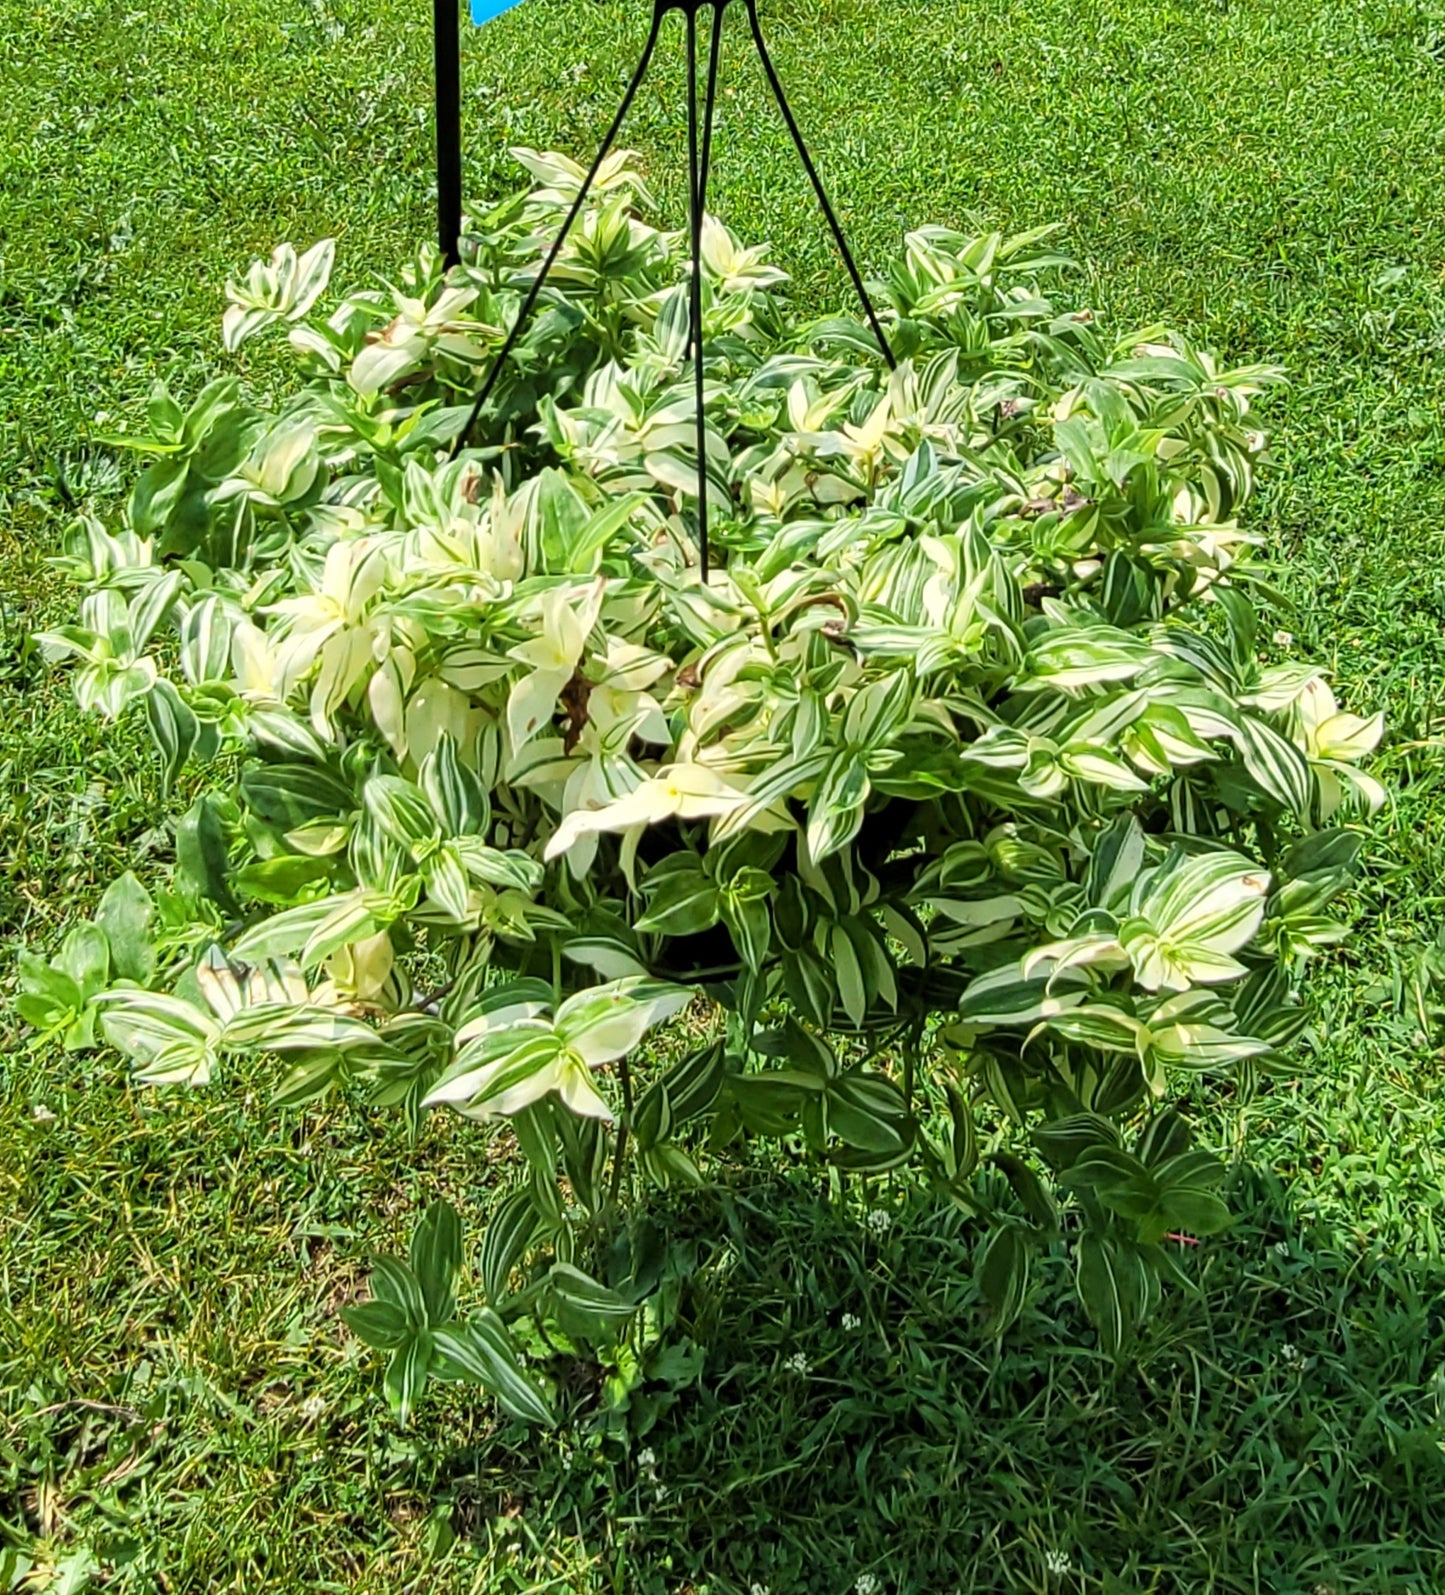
<point x="179" y="1407"/>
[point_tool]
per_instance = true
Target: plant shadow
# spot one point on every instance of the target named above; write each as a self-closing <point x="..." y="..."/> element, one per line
<point x="855" y="1425"/>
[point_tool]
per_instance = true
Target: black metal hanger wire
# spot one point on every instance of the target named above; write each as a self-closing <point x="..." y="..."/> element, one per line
<point x="699" y="155"/>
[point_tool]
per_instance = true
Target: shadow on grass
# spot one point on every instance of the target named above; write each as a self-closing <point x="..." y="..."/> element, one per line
<point x="178" y="1404"/>
<point x="856" y="1428"/>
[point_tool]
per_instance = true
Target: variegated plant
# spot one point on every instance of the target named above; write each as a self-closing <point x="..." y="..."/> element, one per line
<point x="963" y="795"/>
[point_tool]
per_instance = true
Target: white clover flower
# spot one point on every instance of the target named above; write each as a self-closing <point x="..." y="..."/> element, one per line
<point x="798" y="1364"/>
<point x="1056" y="1562"/>
<point x="867" y="1584"/>
<point x="852" y="1321"/>
<point x="879" y="1220"/>
<point x="757" y="1589"/>
<point x="647" y="1458"/>
<point x="1281" y="1248"/>
<point x="313" y="1407"/>
<point x="41" y="1114"/>
<point x="1283" y="639"/>
<point x="1289" y="1352"/>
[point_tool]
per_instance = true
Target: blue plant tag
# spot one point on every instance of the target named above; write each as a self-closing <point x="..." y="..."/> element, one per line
<point x="485" y="10"/>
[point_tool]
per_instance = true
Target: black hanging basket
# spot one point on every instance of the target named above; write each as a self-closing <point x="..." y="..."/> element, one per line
<point x="699" y="159"/>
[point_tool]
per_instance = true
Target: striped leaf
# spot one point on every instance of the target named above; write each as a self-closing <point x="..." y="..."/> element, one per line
<point x="1003" y="1275"/>
<point x="1190" y="916"/>
<point x="206" y="635"/>
<point x="835" y="812"/>
<point x="505" y="1242"/>
<point x="400" y="811"/>
<point x="682" y="898"/>
<point x="1278" y="767"/>
<point x="173" y="729"/>
<point x="406" y="1374"/>
<point x="1116" y="1286"/>
<point x="436" y="1255"/>
<point x="456" y="794"/>
<point x="483" y="1352"/>
<point x="1004" y="998"/>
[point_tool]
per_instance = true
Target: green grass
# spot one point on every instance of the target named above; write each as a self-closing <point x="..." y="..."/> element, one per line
<point x="178" y="1408"/>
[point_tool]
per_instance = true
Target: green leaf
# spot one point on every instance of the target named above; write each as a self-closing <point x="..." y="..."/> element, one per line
<point x="652" y="1118"/>
<point x="85" y="957"/>
<point x="126" y="915"/>
<point x="585" y="1306"/>
<point x="810" y="1052"/>
<point x="584" y="1156"/>
<point x="1005" y="1082"/>
<point x="1194" y="1211"/>
<point x="963" y="1145"/>
<point x="810" y="986"/>
<point x="1166" y="1136"/>
<point x="281" y="879"/>
<point x="173" y="728"/>
<point x="156" y="495"/>
<point x="290" y="796"/>
<point x="750" y="924"/>
<point x="456" y="794"/>
<point x="682" y="900"/>
<point x="1003" y="1275"/>
<point x="848" y="972"/>
<point x="1029" y="1189"/>
<point x="1116" y="1286"/>
<point x="866" y="1112"/>
<point x="505" y="1243"/>
<point x="1106" y="1168"/>
<point x="406" y="1373"/>
<point x="47" y="982"/>
<point x="483" y="1351"/>
<point x="694" y="1082"/>
<point x="400" y="810"/>
<point x="394" y="1282"/>
<point x="1331" y="852"/>
<point x="312" y="1076"/>
<point x="436" y="1256"/>
<point x="164" y="416"/>
<point x="1064" y="1141"/>
<point x="49" y="997"/>
<point x="906" y="928"/>
<point x="380" y="1324"/>
<point x="201" y="854"/>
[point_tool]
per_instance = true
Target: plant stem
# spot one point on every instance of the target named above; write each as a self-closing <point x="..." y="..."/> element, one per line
<point x="912" y="1039"/>
<point x="624" y="1074"/>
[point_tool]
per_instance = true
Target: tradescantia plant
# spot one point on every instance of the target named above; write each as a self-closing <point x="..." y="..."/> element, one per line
<point x="957" y="807"/>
